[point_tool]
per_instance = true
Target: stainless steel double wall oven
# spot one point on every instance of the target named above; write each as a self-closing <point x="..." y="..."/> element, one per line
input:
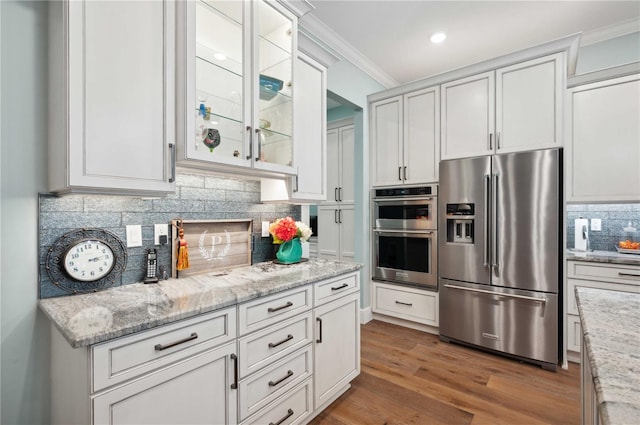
<point x="405" y="236"/>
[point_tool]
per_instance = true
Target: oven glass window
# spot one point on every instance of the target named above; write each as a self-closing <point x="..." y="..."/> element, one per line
<point x="404" y="253"/>
<point x="405" y="212"/>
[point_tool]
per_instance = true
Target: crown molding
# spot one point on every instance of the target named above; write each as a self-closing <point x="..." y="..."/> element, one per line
<point x="321" y="32"/>
<point x="611" y="31"/>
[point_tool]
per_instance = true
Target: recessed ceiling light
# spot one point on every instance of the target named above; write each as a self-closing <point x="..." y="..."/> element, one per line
<point x="438" y="37"/>
<point x="220" y="56"/>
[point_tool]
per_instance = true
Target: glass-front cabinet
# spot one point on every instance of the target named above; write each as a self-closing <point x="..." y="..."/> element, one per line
<point x="237" y="78"/>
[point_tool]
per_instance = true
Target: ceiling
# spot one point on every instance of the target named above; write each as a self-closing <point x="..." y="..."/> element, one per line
<point x="394" y="35"/>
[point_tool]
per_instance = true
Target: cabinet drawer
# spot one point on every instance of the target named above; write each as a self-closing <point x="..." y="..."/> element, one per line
<point x="572" y="306"/>
<point x="328" y="290"/>
<point x="406" y="303"/>
<point x="618" y="273"/>
<point x="291" y="409"/>
<point x="266" y="311"/>
<point x="574" y="333"/>
<point x="265" y="386"/>
<point x="125" y="358"/>
<point x="268" y="345"/>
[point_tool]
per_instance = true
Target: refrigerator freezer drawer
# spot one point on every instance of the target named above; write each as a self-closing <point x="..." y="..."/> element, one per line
<point x="520" y="323"/>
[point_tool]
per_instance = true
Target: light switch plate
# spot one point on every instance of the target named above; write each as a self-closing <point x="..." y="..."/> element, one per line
<point x="134" y="235"/>
<point x="596" y="224"/>
<point x="159" y="230"/>
<point x="265" y="229"/>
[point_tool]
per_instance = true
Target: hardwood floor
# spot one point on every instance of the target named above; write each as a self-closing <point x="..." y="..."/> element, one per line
<point x="411" y="377"/>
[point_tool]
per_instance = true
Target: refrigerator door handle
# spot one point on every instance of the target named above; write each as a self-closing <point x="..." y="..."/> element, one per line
<point x="495" y="241"/>
<point x="487" y="243"/>
<point x="500" y="294"/>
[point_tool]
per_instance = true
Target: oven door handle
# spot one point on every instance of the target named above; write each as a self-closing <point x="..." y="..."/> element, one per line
<point x="395" y="200"/>
<point x="406" y="232"/>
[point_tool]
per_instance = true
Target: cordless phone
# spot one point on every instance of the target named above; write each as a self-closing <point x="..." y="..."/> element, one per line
<point x="152" y="267"/>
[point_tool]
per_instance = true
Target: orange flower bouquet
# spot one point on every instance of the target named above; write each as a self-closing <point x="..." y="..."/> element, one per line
<point x="288" y="233"/>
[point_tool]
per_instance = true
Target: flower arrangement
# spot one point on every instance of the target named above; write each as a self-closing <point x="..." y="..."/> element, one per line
<point x="286" y="228"/>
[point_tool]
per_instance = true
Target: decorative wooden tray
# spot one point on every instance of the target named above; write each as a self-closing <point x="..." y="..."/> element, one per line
<point x="212" y="245"/>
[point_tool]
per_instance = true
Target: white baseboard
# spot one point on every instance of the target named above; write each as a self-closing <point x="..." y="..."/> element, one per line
<point x="366" y="315"/>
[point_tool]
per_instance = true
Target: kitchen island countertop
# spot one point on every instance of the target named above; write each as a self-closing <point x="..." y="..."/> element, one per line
<point x="611" y="330"/>
<point x="96" y="317"/>
<point x="612" y="257"/>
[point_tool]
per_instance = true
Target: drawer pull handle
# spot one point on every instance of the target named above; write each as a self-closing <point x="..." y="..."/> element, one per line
<point x="289" y="414"/>
<point x="235" y="371"/>
<point x="628" y="274"/>
<point x="160" y="347"/>
<point x="275" y="344"/>
<point x="400" y="302"/>
<point x="344" y="285"/>
<point x="273" y="309"/>
<point x="319" y="340"/>
<point x="289" y="375"/>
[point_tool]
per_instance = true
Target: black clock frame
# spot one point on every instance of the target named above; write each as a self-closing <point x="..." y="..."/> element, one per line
<point x="54" y="261"/>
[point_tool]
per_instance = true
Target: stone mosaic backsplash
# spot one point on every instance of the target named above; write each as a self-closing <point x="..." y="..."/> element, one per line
<point x="197" y="197"/>
<point x="614" y="218"/>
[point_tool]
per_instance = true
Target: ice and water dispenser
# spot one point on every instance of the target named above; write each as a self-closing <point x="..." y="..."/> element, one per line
<point x="460" y="223"/>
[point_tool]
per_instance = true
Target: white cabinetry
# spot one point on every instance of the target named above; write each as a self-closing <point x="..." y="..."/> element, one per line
<point x="405" y="303"/>
<point x="179" y="373"/>
<point x="237" y="59"/>
<point x="406" y="138"/>
<point x="603" y="148"/>
<point x="340" y="163"/>
<point x="614" y="277"/>
<point x="336" y="237"/>
<point x="112" y="97"/>
<point x="337" y="339"/>
<point x="514" y="108"/>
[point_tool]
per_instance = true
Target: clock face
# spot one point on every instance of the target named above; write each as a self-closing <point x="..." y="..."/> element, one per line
<point x="88" y="260"/>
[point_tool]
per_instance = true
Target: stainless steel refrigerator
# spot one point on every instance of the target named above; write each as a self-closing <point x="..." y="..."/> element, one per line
<point x="500" y="253"/>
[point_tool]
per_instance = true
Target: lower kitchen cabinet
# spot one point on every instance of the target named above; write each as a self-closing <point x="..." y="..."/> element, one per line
<point x="337" y="348"/>
<point x="406" y="303"/>
<point x="197" y="391"/>
<point x="614" y="277"/>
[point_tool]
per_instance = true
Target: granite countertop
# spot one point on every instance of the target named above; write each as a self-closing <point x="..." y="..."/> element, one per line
<point x="91" y="318"/>
<point x="611" y="326"/>
<point x="612" y="257"/>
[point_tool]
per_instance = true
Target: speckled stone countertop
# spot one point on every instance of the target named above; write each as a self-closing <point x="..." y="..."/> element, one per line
<point x="91" y="318"/>
<point x="612" y="257"/>
<point x="611" y="325"/>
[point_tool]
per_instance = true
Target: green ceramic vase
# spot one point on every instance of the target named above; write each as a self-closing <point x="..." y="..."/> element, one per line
<point x="290" y="251"/>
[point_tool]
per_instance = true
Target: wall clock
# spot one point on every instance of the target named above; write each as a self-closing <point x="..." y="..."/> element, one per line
<point x="86" y="260"/>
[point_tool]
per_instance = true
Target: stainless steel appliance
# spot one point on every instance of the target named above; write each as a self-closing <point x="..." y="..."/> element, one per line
<point x="501" y="252"/>
<point x="405" y="236"/>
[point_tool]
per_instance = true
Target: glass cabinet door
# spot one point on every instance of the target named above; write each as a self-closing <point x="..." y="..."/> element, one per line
<point x="220" y="107"/>
<point x="274" y="107"/>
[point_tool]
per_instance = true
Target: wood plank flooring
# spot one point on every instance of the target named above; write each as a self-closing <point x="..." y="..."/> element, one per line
<point x="411" y="377"/>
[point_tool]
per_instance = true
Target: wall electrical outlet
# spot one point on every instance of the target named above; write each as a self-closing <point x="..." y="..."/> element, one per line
<point x="160" y="230"/>
<point x="596" y="224"/>
<point x="265" y="229"/>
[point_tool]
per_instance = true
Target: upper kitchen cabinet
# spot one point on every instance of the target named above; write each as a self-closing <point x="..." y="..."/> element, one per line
<point x="514" y="108"/>
<point x="341" y="161"/>
<point x="235" y="66"/>
<point x="406" y="138"/>
<point x="603" y="138"/>
<point x="112" y="97"/>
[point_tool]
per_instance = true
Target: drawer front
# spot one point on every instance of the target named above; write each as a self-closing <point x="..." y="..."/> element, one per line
<point x="618" y="273"/>
<point x="269" y="345"/>
<point x="572" y="306"/>
<point x="131" y="356"/>
<point x="260" y="313"/>
<point x="407" y="303"/>
<point x="291" y="409"/>
<point x="328" y="290"/>
<point x="265" y="386"/>
<point x="574" y="333"/>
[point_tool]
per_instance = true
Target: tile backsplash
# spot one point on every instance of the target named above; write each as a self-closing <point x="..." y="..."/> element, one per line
<point x="197" y="197"/>
<point x="614" y="218"/>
